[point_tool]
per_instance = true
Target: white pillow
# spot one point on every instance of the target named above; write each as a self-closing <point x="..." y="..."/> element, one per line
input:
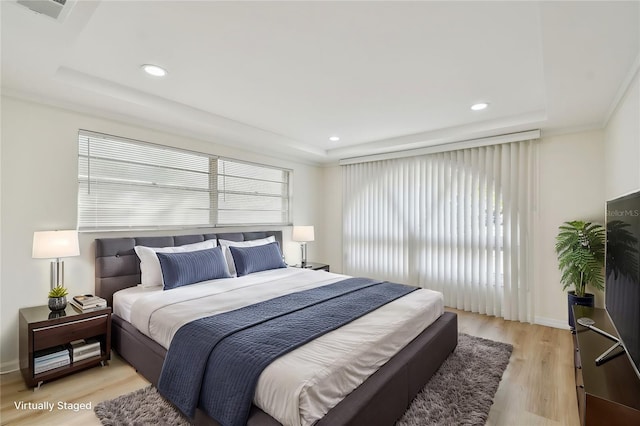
<point x="225" y="244"/>
<point x="151" y="273"/>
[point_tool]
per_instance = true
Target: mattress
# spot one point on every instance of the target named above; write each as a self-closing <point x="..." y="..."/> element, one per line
<point x="300" y="387"/>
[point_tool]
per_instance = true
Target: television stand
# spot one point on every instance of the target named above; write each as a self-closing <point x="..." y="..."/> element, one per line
<point x="608" y="394"/>
<point x="606" y="355"/>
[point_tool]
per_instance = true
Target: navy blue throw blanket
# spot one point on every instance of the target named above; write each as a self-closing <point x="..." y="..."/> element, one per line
<point x="215" y="362"/>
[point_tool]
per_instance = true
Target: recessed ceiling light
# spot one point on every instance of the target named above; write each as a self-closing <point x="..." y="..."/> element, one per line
<point x="479" y="106"/>
<point x="154" y="70"/>
<point x="334" y="138"/>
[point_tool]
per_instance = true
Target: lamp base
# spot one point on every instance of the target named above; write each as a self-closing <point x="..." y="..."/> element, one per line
<point x="57" y="273"/>
<point x="303" y="255"/>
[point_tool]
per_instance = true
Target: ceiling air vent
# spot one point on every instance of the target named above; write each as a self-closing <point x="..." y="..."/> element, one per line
<point x="50" y="8"/>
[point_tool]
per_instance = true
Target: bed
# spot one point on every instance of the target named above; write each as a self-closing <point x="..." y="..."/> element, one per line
<point x="381" y="399"/>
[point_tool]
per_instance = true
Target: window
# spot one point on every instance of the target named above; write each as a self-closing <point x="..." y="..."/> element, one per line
<point x="250" y="194"/>
<point x="459" y="222"/>
<point x="127" y="184"/>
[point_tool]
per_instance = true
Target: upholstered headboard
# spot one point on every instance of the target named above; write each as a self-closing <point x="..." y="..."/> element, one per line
<point x="118" y="266"/>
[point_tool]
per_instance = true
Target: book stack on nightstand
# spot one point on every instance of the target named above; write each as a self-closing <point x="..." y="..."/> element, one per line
<point x="50" y="358"/>
<point x="88" y="302"/>
<point x="83" y="349"/>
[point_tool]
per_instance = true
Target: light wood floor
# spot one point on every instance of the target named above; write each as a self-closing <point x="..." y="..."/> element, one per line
<point x="537" y="388"/>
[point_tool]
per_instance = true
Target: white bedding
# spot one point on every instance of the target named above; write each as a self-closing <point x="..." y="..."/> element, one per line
<point x="300" y="387"/>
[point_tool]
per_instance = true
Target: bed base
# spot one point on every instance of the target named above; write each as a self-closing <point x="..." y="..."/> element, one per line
<point x="380" y="400"/>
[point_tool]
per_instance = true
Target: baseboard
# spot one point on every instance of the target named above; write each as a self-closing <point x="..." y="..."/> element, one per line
<point x="9" y="367"/>
<point x="551" y="322"/>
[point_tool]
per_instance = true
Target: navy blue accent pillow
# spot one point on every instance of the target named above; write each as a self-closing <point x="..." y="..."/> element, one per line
<point x="184" y="268"/>
<point x="258" y="258"/>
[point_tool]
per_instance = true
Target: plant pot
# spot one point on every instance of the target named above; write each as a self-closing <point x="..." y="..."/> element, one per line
<point x="587" y="300"/>
<point x="57" y="303"/>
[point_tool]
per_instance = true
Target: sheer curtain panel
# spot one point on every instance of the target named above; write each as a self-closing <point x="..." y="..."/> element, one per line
<point x="459" y="222"/>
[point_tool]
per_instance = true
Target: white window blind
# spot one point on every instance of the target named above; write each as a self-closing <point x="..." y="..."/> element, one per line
<point x="457" y="222"/>
<point x="251" y="194"/>
<point x="128" y="184"/>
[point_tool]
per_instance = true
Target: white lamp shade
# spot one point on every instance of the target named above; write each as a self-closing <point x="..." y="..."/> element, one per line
<point x="302" y="233"/>
<point x="55" y="244"/>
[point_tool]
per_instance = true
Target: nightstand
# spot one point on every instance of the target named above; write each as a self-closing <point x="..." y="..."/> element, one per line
<point x="40" y="329"/>
<point x="315" y="266"/>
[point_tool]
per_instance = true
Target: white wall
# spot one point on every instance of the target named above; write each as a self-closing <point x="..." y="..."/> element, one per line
<point x="622" y="139"/>
<point x="39" y="192"/>
<point x="571" y="187"/>
<point x="332" y="217"/>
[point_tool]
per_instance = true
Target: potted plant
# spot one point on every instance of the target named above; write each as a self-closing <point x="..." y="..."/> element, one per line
<point x="580" y="250"/>
<point x="58" y="298"/>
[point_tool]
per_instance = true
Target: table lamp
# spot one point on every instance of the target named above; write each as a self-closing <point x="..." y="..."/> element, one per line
<point x="54" y="245"/>
<point x="303" y="234"/>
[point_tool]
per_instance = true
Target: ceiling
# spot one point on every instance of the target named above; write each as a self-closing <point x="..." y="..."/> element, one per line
<point x="283" y="77"/>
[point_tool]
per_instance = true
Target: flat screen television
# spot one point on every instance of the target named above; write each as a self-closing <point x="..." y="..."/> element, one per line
<point x="622" y="281"/>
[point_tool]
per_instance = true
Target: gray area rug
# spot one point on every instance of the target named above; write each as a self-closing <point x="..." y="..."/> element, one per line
<point x="459" y="393"/>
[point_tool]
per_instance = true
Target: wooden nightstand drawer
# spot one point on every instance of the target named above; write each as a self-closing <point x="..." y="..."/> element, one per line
<point x="60" y="334"/>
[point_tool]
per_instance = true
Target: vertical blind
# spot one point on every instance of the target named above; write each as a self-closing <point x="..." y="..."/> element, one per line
<point x="127" y="184"/>
<point x="457" y="222"/>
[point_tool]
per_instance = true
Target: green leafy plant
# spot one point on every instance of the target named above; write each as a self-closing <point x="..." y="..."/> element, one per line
<point x="580" y="250"/>
<point x="58" y="291"/>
